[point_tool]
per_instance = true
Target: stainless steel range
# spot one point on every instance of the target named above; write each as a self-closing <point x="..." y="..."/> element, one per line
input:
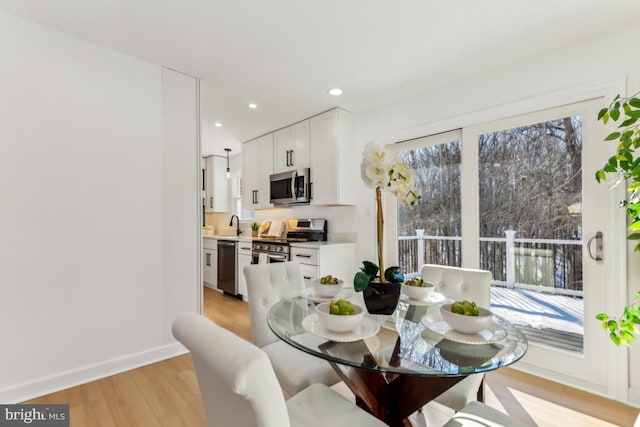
<point x="278" y="250"/>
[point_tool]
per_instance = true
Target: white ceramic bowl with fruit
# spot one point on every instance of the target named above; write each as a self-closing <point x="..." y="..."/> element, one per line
<point x="327" y="286"/>
<point x="417" y="289"/>
<point x="340" y="322"/>
<point x="466" y="323"/>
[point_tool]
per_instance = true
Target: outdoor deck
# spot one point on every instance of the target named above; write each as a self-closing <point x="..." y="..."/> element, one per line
<point x="556" y="320"/>
<point x="537" y="283"/>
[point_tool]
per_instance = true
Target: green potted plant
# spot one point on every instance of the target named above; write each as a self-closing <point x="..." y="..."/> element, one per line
<point x="625" y="165"/>
<point x="383" y="172"/>
<point x="254" y="229"/>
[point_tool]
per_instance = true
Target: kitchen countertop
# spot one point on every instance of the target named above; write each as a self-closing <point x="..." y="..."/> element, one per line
<point x="312" y="245"/>
<point x="316" y="245"/>
<point x="232" y="238"/>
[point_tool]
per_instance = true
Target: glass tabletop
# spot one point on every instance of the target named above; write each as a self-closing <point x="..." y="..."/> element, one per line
<point x="413" y="340"/>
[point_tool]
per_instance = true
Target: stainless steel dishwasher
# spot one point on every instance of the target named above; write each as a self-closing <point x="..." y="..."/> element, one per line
<point x="227" y="267"/>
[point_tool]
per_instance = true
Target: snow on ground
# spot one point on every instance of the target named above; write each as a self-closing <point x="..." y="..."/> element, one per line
<point x="539" y="310"/>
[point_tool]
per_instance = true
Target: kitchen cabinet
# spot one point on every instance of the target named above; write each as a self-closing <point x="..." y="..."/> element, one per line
<point x="210" y="263"/>
<point x="216" y="184"/>
<point x="332" y="158"/>
<point x="291" y="147"/>
<point x="243" y="257"/>
<point x="257" y="165"/>
<point x="317" y="260"/>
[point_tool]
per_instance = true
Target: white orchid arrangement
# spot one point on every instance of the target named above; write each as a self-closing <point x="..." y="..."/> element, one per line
<point x="383" y="171"/>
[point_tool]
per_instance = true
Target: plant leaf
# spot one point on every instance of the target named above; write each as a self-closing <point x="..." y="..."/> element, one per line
<point x="370" y="268"/>
<point x="612" y="136"/>
<point x="602" y="112"/>
<point x="361" y="281"/>
<point x="627" y="335"/>
<point x="615" y="114"/>
<point x="393" y="274"/>
<point x="628" y="122"/>
<point x="634" y="102"/>
<point x="614" y="338"/>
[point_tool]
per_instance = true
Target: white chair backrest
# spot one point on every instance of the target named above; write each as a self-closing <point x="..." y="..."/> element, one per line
<point x="459" y="283"/>
<point x="266" y="285"/>
<point x="236" y="379"/>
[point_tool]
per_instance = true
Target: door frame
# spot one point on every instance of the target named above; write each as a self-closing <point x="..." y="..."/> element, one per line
<point x="616" y="359"/>
<point x="587" y="370"/>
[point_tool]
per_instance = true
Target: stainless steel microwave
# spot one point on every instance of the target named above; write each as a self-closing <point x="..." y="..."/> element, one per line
<point x="290" y="188"/>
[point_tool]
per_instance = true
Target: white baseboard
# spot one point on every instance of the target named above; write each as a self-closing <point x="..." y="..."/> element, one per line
<point x="634" y="398"/>
<point x="50" y="384"/>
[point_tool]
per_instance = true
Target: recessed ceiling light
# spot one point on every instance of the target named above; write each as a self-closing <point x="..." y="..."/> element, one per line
<point x="218" y="124"/>
<point x="335" y="91"/>
<point x="253" y="106"/>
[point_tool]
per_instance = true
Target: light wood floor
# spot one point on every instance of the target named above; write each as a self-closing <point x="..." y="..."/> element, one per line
<point x="166" y="393"/>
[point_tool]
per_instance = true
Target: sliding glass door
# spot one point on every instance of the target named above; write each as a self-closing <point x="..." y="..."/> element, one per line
<point x="537" y="207"/>
<point x="518" y="197"/>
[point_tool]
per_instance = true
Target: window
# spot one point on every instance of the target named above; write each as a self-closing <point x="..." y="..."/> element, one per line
<point x="430" y="232"/>
<point x="530" y="200"/>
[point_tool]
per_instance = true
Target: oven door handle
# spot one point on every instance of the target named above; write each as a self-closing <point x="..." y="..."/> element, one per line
<point x="279" y="257"/>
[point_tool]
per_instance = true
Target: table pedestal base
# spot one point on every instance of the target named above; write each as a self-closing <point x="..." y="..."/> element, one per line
<point x="392" y="397"/>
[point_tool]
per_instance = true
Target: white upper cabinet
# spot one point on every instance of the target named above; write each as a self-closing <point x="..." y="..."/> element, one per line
<point x="332" y="155"/>
<point x="216" y="185"/>
<point x="291" y="147"/>
<point x="257" y="165"/>
<point x="323" y="143"/>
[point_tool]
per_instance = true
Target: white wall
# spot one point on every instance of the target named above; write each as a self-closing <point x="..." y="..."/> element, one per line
<point x="181" y="196"/>
<point x="497" y="94"/>
<point x="81" y="223"/>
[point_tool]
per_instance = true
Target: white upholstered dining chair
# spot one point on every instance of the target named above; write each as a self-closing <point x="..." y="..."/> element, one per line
<point x="239" y="387"/>
<point x="460" y="284"/>
<point x="268" y="284"/>
<point x="476" y="414"/>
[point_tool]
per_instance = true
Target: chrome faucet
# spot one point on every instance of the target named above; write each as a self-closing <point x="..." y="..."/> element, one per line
<point x="238" y="231"/>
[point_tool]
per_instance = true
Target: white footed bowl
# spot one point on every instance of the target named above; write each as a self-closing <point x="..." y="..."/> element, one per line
<point x="327" y="291"/>
<point x="466" y="324"/>
<point x="418" y="292"/>
<point x="339" y="322"/>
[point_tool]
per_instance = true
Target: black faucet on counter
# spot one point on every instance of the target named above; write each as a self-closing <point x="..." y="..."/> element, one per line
<point x="238" y="231"/>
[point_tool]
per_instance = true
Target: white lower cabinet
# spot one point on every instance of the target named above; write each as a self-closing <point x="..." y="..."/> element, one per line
<point x="210" y="263"/>
<point x="243" y="257"/>
<point x="309" y="272"/>
<point x="317" y="260"/>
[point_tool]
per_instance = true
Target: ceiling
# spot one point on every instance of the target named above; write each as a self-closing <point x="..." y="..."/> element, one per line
<point x="284" y="54"/>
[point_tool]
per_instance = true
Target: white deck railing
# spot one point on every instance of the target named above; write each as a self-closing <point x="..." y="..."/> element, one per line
<point x="548" y="265"/>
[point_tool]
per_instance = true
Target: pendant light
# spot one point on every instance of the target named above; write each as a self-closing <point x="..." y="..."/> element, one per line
<point x="228" y="150"/>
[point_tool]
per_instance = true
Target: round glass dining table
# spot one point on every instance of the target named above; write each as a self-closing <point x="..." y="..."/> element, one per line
<point x="396" y="364"/>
